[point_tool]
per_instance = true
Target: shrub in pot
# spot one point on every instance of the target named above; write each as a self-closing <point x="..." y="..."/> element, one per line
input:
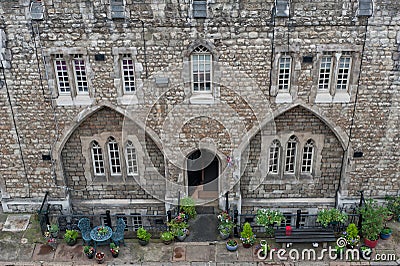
<point x="70" y="237"/>
<point x="53" y="230"/>
<point x="268" y="218"/>
<point x="143" y="236"/>
<point x="188" y="207"/>
<point x="89" y="251"/>
<point x="373" y="221"/>
<point x="167" y="237"/>
<point x="331" y="216"/>
<point x="247" y="236"/>
<point x="114" y="250"/>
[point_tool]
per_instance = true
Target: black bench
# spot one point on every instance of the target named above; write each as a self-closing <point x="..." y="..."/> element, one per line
<point x="305" y="235"/>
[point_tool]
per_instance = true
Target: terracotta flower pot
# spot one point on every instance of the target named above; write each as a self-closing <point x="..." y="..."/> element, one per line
<point x="370" y="243"/>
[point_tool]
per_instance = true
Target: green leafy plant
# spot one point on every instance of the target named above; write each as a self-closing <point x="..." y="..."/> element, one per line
<point x="114" y="248"/>
<point x="188" y="207"/>
<point x="142" y="234"/>
<point x="70" y="236"/>
<point x="386" y="231"/>
<point x="325" y="217"/>
<point x="226" y="223"/>
<point x="167" y="236"/>
<point x="373" y="219"/>
<point x="393" y="205"/>
<point x="247" y="236"/>
<point x="267" y="217"/>
<point x="88" y="250"/>
<point x="53" y="228"/>
<point x="232" y="242"/>
<point x="175" y="226"/>
<point x="351" y="235"/>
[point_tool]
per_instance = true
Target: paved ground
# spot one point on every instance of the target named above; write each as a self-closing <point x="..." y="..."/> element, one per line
<point x="27" y="248"/>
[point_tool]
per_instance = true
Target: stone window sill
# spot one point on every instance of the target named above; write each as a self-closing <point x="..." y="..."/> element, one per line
<point x="67" y="100"/>
<point x="323" y="97"/>
<point x="283" y="97"/>
<point x="341" y="97"/>
<point x="128" y="99"/>
<point x="202" y="98"/>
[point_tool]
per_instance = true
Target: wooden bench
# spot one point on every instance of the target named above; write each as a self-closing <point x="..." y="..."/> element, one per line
<point x="305" y="235"/>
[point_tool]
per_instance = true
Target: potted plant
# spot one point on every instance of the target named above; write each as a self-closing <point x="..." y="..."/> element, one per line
<point x="180" y="235"/>
<point x="70" y="237"/>
<point x="114" y="250"/>
<point x="176" y="227"/>
<point x="331" y="217"/>
<point x="231" y="245"/>
<point x="393" y="205"/>
<point x="262" y="249"/>
<point x="89" y="251"/>
<point x="50" y="240"/>
<point x="247" y="236"/>
<point x="351" y="236"/>
<point x="53" y="230"/>
<point x="225" y="224"/>
<point x="188" y="207"/>
<point x="365" y="252"/>
<point x="99" y="257"/>
<point x="167" y="237"/>
<point x="373" y="219"/>
<point x="386" y="233"/>
<point x="268" y="218"/>
<point x="143" y="236"/>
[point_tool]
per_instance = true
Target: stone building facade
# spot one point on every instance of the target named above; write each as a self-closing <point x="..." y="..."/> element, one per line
<point x="127" y="105"/>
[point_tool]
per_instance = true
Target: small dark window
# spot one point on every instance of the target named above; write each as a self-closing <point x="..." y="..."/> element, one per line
<point x="365" y="8"/>
<point x="199" y="9"/>
<point x="117" y="9"/>
<point x="282" y="8"/>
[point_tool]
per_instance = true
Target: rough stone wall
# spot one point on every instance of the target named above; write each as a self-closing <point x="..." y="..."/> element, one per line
<point x="297" y="120"/>
<point x="243" y="36"/>
<point x="104" y="120"/>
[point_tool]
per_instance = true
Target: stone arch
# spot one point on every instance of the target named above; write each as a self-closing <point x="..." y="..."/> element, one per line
<point x="78" y="120"/>
<point x="204" y="43"/>
<point x="340" y="134"/>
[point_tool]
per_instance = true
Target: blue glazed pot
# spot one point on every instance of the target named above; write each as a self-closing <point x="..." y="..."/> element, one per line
<point x="385" y="236"/>
<point x="231" y="248"/>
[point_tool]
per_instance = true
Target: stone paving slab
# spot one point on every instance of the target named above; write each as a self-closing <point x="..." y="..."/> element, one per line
<point x="69" y="253"/>
<point x="16" y="223"/>
<point x="43" y="252"/>
<point x="200" y="253"/>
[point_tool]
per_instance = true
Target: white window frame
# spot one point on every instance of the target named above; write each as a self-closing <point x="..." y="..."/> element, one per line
<point x="198" y="52"/>
<point x="128" y="79"/>
<point x="80" y="74"/>
<point x="344" y="69"/>
<point x="325" y="72"/>
<point x="114" y="156"/>
<point x="291" y="155"/>
<point x="137" y="221"/>
<point x="131" y="159"/>
<point x="62" y="75"/>
<point x="308" y="157"/>
<point x="96" y="150"/>
<point x="274" y="156"/>
<point x="284" y="73"/>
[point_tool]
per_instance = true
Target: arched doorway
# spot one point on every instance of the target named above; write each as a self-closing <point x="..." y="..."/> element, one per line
<point x="202" y="174"/>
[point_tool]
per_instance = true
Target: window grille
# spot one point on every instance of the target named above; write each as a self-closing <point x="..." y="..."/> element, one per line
<point x="128" y="73"/>
<point x="98" y="160"/>
<point x="291" y="149"/>
<point x="80" y="74"/>
<point x="131" y="159"/>
<point x="113" y="152"/>
<point x="273" y="162"/>
<point x="201" y="69"/>
<point x="61" y="69"/>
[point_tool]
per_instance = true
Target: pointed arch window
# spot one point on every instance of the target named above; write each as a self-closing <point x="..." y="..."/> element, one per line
<point x="131" y="159"/>
<point x="114" y="156"/>
<point x="201" y="63"/>
<point x="273" y="158"/>
<point x="97" y="159"/>
<point x="290" y="159"/>
<point x="308" y="154"/>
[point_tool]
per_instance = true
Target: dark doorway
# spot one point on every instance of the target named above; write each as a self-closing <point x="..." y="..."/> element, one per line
<point x="202" y="169"/>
